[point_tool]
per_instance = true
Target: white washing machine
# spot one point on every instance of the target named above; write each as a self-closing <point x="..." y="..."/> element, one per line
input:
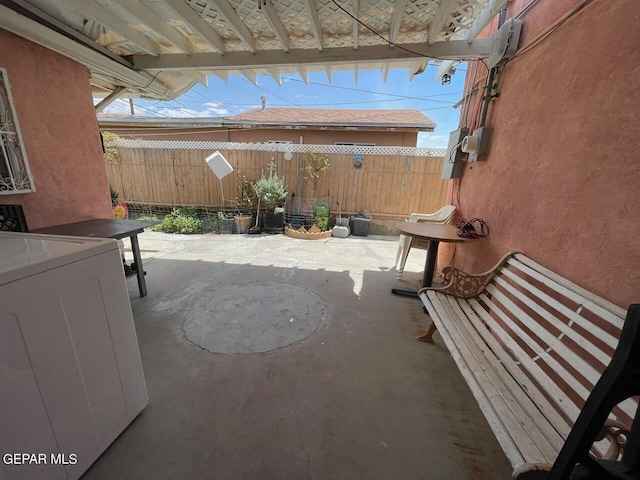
<point x="71" y="378"/>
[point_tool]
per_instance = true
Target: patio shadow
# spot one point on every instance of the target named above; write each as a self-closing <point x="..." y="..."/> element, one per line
<point x="358" y="397"/>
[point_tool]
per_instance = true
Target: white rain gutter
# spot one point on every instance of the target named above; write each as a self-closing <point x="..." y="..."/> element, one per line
<point x="96" y="62"/>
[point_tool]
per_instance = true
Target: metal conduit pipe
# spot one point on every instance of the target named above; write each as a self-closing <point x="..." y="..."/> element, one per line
<point x="487" y="89"/>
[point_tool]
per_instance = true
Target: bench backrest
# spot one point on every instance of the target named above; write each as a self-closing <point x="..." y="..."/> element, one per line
<point x="559" y="337"/>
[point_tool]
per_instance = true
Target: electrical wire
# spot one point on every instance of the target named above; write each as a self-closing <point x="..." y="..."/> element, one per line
<point x="154" y="77"/>
<point x="122" y="101"/>
<point x="389" y="42"/>
<point x="408" y="97"/>
<point x="524" y="9"/>
<point x="546" y="34"/>
<point x="271" y="93"/>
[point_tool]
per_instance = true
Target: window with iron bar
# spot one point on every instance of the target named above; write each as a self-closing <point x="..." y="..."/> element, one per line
<point x="15" y="175"/>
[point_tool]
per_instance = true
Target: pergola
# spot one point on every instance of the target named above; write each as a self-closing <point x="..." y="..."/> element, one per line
<point x="161" y="48"/>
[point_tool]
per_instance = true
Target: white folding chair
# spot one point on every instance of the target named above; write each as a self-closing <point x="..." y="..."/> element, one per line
<point x="444" y="216"/>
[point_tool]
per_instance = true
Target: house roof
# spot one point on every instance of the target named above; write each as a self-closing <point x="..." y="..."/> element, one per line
<point x="336" y="117"/>
<point x="285" y="118"/>
<point x="160" y="48"/>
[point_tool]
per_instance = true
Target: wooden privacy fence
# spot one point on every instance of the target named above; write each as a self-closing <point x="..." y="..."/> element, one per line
<point x="391" y="181"/>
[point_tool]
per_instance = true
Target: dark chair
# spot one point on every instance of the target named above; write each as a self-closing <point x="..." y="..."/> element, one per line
<point x="12" y="219"/>
<point x="620" y="380"/>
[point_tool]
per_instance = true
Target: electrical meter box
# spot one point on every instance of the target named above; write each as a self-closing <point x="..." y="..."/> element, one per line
<point x="453" y="162"/>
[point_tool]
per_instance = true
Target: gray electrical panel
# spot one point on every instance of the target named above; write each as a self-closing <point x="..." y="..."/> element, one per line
<point x="453" y="163"/>
<point x="484" y="136"/>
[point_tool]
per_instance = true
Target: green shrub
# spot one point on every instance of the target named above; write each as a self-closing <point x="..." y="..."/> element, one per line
<point x="148" y="218"/>
<point x="179" y="222"/>
<point x="271" y="191"/>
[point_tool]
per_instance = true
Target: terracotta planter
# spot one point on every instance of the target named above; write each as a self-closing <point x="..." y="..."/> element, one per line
<point x="243" y="223"/>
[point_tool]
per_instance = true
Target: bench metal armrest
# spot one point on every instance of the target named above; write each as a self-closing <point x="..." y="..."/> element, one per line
<point x="466" y="285"/>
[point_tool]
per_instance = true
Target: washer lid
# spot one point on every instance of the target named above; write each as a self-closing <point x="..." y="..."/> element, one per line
<point x="25" y="254"/>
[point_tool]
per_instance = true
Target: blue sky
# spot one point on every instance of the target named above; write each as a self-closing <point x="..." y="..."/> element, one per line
<point x="238" y="95"/>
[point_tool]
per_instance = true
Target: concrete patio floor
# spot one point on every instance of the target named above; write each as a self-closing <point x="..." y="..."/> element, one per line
<point x="353" y="397"/>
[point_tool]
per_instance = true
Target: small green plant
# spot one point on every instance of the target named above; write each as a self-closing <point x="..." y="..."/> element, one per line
<point x="179" y="222"/>
<point x="314" y="166"/>
<point x="110" y="152"/>
<point x="114" y="195"/>
<point x="271" y="191"/>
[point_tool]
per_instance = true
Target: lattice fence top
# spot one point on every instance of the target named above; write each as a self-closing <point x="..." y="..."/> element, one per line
<point x="279" y="147"/>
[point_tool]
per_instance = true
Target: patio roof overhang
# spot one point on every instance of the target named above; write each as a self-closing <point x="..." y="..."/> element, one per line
<point x="161" y="48"/>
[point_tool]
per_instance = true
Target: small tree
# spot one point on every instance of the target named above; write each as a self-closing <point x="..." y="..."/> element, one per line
<point x="110" y="152"/>
<point x="246" y="194"/>
<point x="314" y="166"/>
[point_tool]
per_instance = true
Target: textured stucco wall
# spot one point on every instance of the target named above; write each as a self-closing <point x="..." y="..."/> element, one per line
<point x="562" y="181"/>
<point x="54" y="106"/>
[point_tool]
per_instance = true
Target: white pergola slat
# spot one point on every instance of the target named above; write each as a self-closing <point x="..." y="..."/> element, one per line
<point x="157" y="23"/>
<point x="396" y="20"/>
<point x="276" y="25"/>
<point x="314" y="23"/>
<point x="355" y="9"/>
<point x="484" y="18"/>
<point x="196" y="22"/>
<point x="440" y="19"/>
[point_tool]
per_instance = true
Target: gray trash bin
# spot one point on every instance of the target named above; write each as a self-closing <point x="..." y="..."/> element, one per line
<point x="360" y="226"/>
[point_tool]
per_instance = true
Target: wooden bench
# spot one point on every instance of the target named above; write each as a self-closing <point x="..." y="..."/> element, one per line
<point x="531" y="345"/>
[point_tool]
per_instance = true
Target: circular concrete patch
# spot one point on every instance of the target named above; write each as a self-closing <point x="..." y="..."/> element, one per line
<point x="254" y="317"/>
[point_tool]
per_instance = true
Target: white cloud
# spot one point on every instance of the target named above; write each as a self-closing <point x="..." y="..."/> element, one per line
<point x="211" y="109"/>
<point x="214" y="108"/>
<point x="432" y="140"/>
<point x="179" y="112"/>
<point x="120" y="107"/>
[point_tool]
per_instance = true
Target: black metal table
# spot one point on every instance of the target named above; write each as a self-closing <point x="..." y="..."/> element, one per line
<point x="107" y="228"/>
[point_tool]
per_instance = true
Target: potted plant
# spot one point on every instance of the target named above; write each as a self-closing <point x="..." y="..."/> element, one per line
<point x="272" y="191"/>
<point x="226" y="222"/>
<point x="245" y="198"/>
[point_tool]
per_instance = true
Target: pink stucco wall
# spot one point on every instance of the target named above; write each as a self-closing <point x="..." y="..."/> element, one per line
<point x="54" y="106"/>
<point x="562" y="181"/>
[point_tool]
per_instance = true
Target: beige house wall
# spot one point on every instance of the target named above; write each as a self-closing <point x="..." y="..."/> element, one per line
<point x="306" y="136"/>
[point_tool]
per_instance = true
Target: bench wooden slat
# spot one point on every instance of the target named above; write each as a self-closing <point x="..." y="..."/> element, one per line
<point x="472" y="373"/>
<point x="584" y="343"/>
<point x="567" y="312"/>
<point x="544" y="439"/>
<point x="550" y="340"/>
<point x="590" y="373"/>
<point x="528" y="365"/>
<point x="515" y="378"/>
<point x="598" y="305"/>
<point x="539" y="374"/>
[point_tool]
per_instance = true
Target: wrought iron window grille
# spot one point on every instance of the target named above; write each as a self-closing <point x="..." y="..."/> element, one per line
<point x="15" y="175"/>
